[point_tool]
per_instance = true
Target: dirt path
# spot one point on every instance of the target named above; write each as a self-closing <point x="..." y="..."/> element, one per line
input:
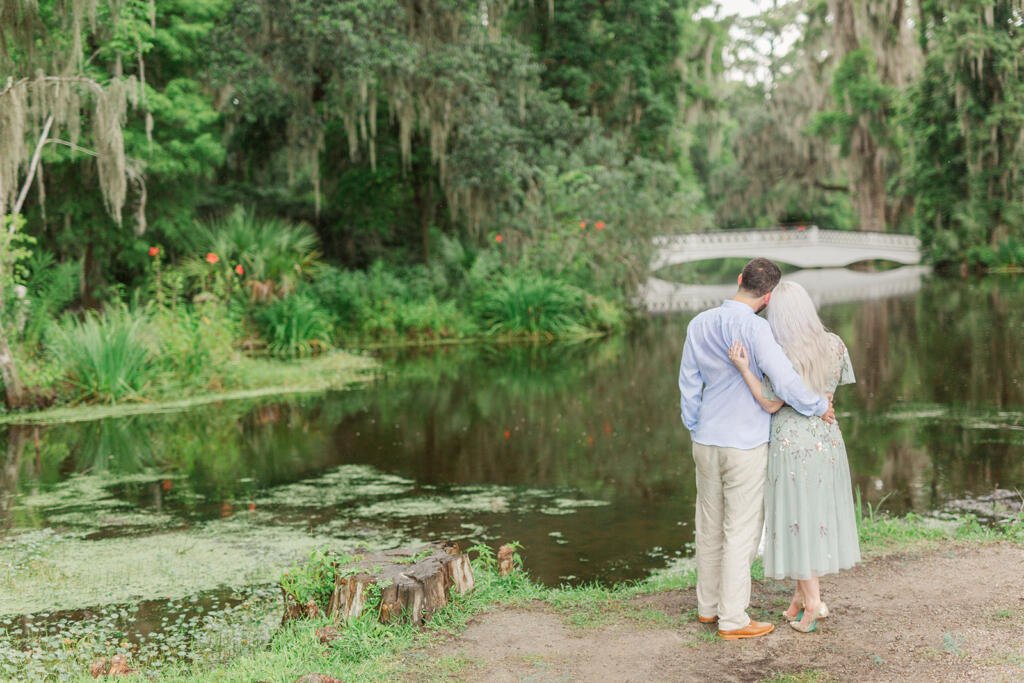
<point x="956" y="614"/>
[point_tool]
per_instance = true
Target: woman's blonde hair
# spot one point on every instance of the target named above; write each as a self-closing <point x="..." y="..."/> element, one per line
<point x="801" y="334"/>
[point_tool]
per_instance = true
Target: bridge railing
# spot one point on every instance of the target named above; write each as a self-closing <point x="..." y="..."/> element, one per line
<point x="812" y="235"/>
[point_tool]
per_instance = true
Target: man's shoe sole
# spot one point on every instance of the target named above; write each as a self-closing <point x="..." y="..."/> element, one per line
<point x="726" y="635"/>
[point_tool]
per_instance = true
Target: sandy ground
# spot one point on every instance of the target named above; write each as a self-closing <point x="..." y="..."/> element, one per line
<point x="955" y="614"/>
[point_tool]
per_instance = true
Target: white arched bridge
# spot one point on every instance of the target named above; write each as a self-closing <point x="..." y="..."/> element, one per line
<point x="823" y="253"/>
<point x="806" y="248"/>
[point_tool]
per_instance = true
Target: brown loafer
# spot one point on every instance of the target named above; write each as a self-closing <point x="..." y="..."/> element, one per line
<point x="707" y="620"/>
<point x="752" y="630"/>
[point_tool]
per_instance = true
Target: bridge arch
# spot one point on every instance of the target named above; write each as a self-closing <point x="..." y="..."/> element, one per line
<point x="810" y="248"/>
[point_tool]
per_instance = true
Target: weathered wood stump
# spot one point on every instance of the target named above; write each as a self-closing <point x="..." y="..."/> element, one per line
<point x="506" y="560"/>
<point x="293" y="610"/>
<point x="326" y="634"/>
<point x="413" y="584"/>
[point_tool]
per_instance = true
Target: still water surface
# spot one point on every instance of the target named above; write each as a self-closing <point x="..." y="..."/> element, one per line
<point x="575" y="451"/>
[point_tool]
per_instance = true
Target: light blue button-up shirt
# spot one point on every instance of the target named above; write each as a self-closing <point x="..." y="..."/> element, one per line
<point x="717" y="406"/>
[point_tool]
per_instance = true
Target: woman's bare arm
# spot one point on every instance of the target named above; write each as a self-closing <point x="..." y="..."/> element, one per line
<point x="738" y="356"/>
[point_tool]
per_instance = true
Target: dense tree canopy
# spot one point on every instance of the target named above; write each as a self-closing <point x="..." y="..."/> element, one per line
<point x="409" y="132"/>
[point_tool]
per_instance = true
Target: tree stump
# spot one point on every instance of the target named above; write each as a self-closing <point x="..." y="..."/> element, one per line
<point x="118" y="666"/>
<point x="505" y="560"/>
<point x="326" y="634"/>
<point x="414" y="584"/>
<point x="293" y="610"/>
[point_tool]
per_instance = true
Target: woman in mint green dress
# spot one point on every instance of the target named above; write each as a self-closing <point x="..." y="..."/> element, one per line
<point x="811" y="528"/>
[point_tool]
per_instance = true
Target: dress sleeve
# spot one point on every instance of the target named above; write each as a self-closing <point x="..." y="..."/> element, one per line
<point x="767" y="391"/>
<point x="846" y="373"/>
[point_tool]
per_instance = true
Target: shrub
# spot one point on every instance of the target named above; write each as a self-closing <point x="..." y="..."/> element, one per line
<point x="525" y="303"/>
<point x="194" y="346"/>
<point x="604" y="315"/>
<point x="314" y="578"/>
<point x="50" y="287"/>
<point x="104" y="356"/>
<point x="296" y="326"/>
<point x="276" y="255"/>
<point x="433" y="319"/>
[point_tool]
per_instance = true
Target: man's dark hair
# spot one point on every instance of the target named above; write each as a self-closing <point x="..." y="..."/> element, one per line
<point x="760" y="276"/>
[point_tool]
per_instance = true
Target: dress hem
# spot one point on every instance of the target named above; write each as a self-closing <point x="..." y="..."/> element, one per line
<point x="779" y="577"/>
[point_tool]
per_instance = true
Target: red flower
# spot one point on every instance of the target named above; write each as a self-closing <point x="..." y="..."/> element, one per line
<point x="498" y="238"/>
<point x="508" y="434"/>
<point x="252" y="506"/>
<point x="239" y="269"/>
<point x="212" y="258"/>
<point x="583" y="224"/>
<point x="153" y="251"/>
<point x="599" y="225"/>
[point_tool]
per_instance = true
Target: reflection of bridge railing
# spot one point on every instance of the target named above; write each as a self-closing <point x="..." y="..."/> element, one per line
<point x="826" y="286"/>
<point x="812" y="247"/>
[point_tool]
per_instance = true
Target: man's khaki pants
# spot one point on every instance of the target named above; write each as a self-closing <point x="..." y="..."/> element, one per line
<point x="730" y="514"/>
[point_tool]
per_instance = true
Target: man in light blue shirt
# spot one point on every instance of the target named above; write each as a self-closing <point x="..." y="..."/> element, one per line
<point x="730" y="430"/>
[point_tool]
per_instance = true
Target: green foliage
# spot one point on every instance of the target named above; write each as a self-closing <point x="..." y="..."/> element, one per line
<point x="392" y="303"/>
<point x="617" y="59"/>
<point x="50" y="287"/>
<point x="104" y="356"/>
<point x="313" y="579"/>
<point x="963" y="117"/>
<point x="275" y="255"/>
<point x="860" y="95"/>
<point x="296" y="326"/>
<point x="527" y="303"/>
<point x="194" y="346"/>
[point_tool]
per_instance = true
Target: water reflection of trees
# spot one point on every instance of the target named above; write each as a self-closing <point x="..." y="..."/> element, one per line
<point x="194" y="460"/>
<point x="551" y="416"/>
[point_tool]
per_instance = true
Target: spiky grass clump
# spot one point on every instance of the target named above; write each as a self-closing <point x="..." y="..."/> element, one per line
<point x="104" y="355"/>
<point x="296" y="326"/>
<point x="530" y="304"/>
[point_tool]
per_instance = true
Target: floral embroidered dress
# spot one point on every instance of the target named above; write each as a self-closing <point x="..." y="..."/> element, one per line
<point x="810" y="524"/>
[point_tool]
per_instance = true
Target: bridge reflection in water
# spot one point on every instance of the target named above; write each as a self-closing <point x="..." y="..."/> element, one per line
<point x="825" y="285"/>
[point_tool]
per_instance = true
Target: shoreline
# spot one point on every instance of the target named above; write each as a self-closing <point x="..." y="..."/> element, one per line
<point x="505" y="628"/>
<point x="336" y="370"/>
<point x="347" y="367"/>
<point x="501" y="630"/>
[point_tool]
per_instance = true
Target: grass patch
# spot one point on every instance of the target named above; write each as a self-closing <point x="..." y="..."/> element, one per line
<point x="810" y="676"/>
<point x="105" y="355"/>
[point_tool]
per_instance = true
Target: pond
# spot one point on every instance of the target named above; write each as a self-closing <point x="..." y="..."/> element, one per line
<point x="575" y="451"/>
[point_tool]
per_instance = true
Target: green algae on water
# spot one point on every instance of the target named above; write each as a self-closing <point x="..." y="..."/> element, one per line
<point x="42" y="571"/>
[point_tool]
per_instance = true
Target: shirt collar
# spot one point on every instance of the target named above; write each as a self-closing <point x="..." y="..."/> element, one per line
<point x="730" y="303"/>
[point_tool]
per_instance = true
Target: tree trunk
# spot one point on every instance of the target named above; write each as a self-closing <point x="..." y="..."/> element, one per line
<point x="14" y="390"/>
<point x="423" y="200"/>
<point x="868" y="180"/>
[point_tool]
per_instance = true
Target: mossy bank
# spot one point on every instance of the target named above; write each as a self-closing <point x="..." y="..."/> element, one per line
<point x="243" y="643"/>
